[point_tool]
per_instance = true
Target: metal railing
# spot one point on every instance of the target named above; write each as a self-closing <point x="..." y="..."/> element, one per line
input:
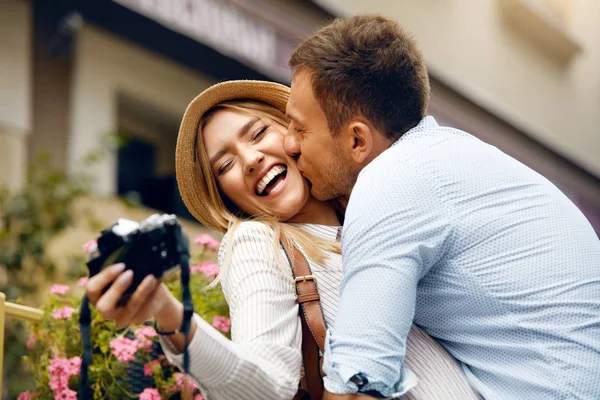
<point x="16" y="311"/>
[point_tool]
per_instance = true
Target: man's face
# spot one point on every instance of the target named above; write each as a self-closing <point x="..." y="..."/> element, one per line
<point x="322" y="158"/>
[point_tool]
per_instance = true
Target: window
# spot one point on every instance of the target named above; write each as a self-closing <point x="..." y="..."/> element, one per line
<point x="146" y="160"/>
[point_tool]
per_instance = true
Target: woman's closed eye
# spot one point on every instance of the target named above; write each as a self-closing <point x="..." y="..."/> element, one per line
<point x="224" y="167"/>
<point x="256" y="136"/>
<point x="259" y="133"/>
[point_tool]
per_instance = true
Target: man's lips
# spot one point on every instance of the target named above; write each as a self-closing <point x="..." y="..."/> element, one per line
<point x="305" y="178"/>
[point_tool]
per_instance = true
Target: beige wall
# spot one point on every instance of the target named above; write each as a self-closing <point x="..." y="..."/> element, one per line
<point x="51" y="85"/>
<point x="469" y="45"/>
<point x="106" y="67"/>
<point x="15" y="90"/>
<point x="13" y="158"/>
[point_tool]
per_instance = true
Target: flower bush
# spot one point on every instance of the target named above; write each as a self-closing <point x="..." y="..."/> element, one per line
<point x="30" y="218"/>
<point x="55" y="349"/>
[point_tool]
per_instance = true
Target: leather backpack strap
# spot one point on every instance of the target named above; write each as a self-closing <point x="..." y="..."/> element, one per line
<point x="311" y="317"/>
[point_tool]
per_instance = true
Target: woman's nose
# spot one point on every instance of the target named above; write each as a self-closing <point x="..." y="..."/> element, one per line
<point x="252" y="161"/>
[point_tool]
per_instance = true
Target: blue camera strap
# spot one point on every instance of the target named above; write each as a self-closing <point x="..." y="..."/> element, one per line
<point x="85" y="323"/>
<point x="186" y="296"/>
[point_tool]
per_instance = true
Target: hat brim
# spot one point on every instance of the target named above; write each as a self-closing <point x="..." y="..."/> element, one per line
<point x="188" y="177"/>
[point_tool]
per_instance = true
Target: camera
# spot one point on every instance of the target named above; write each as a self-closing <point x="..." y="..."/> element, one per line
<point x="157" y="245"/>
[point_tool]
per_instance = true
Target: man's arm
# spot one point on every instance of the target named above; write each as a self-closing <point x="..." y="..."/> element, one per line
<point x="331" y="396"/>
<point x="395" y="230"/>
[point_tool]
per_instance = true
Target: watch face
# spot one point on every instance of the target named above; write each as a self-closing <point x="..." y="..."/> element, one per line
<point x="359" y="380"/>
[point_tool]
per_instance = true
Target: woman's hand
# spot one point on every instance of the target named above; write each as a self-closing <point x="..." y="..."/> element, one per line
<point x="149" y="299"/>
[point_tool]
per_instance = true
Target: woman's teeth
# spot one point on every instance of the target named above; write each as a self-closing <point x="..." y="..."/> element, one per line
<point x="278" y="183"/>
<point x="270" y="178"/>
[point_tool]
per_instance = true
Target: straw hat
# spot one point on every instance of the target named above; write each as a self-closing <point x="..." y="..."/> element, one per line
<point x="270" y="93"/>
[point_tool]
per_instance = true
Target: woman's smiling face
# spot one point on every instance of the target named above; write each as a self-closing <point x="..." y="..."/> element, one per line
<point x="250" y="165"/>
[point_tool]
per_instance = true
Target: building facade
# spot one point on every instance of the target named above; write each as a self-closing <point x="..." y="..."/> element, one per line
<point x="519" y="74"/>
<point x="74" y="73"/>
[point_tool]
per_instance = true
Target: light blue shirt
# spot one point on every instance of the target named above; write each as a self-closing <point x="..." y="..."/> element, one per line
<point x="486" y="255"/>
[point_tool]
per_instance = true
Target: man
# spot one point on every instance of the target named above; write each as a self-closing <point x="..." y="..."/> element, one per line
<point x="485" y="255"/>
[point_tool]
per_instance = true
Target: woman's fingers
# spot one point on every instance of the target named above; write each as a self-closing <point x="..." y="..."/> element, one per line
<point x="142" y="295"/>
<point x="107" y="304"/>
<point x="97" y="283"/>
<point x="156" y="302"/>
<point x="143" y="303"/>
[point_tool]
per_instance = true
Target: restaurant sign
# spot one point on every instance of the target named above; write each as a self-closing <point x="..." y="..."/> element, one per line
<point x="223" y="27"/>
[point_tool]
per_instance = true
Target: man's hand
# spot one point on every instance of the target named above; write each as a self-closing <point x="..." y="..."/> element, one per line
<point x="355" y="396"/>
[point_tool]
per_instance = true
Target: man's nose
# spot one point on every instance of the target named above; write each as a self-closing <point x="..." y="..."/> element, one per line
<point x="291" y="143"/>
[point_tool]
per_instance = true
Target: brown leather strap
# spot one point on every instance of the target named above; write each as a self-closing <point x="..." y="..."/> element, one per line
<point x="301" y="394"/>
<point x="303" y="298"/>
<point x="313" y="323"/>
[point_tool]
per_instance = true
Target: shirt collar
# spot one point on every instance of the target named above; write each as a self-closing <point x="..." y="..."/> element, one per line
<point x="426" y="123"/>
<point x="328" y="232"/>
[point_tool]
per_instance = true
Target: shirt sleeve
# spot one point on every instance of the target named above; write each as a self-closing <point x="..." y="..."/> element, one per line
<point x="263" y="360"/>
<point x="396" y="229"/>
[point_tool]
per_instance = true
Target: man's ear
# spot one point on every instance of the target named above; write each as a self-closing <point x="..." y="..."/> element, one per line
<point x="360" y="140"/>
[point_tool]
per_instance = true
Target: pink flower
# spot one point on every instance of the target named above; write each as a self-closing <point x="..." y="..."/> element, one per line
<point x="206" y="240"/>
<point x="148" y="368"/>
<point x="59" y="383"/>
<point x="180" y="381"/>
<point x="63" y="366"/>
<point x="87" y="246"/>
<point x="150" y="394"/>
<point x="66" y="394"/>
<point x="142" y="337"/>
<point x="143" y="342"/>
<point x="59" y="289"/>
<point x="146" y="331"/>
<point x="222" y="323"/>
<point x="59" y="379"/>
<point x="82" y="281"/>
<point x="31" y="342"/>
<point x="63" y="313"/>
<point x="61" y="369"/>
<point x="26" y="395"/>
<point x="208" y="268"/>
<point x="124" y="348"/>
<point x="74" y="365"/>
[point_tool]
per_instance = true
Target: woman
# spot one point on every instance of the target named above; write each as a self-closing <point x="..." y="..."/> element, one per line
<point x="235" y="177"/>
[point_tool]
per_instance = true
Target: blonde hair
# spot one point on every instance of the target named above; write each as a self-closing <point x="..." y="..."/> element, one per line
<point x="220" y="213"/>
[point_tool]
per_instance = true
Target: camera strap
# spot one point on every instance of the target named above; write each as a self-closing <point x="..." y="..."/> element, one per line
<point x="85" y="322"/>
<point x="186" y="296"/>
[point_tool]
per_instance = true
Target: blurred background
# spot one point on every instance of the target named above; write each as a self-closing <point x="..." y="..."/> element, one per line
<point x="92" y="92"/>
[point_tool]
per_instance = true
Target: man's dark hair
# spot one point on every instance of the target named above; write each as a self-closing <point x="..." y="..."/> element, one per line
<point x="368" y="65"/>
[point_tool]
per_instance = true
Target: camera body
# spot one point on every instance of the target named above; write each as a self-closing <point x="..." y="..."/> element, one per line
<point x="157" y="246"/>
